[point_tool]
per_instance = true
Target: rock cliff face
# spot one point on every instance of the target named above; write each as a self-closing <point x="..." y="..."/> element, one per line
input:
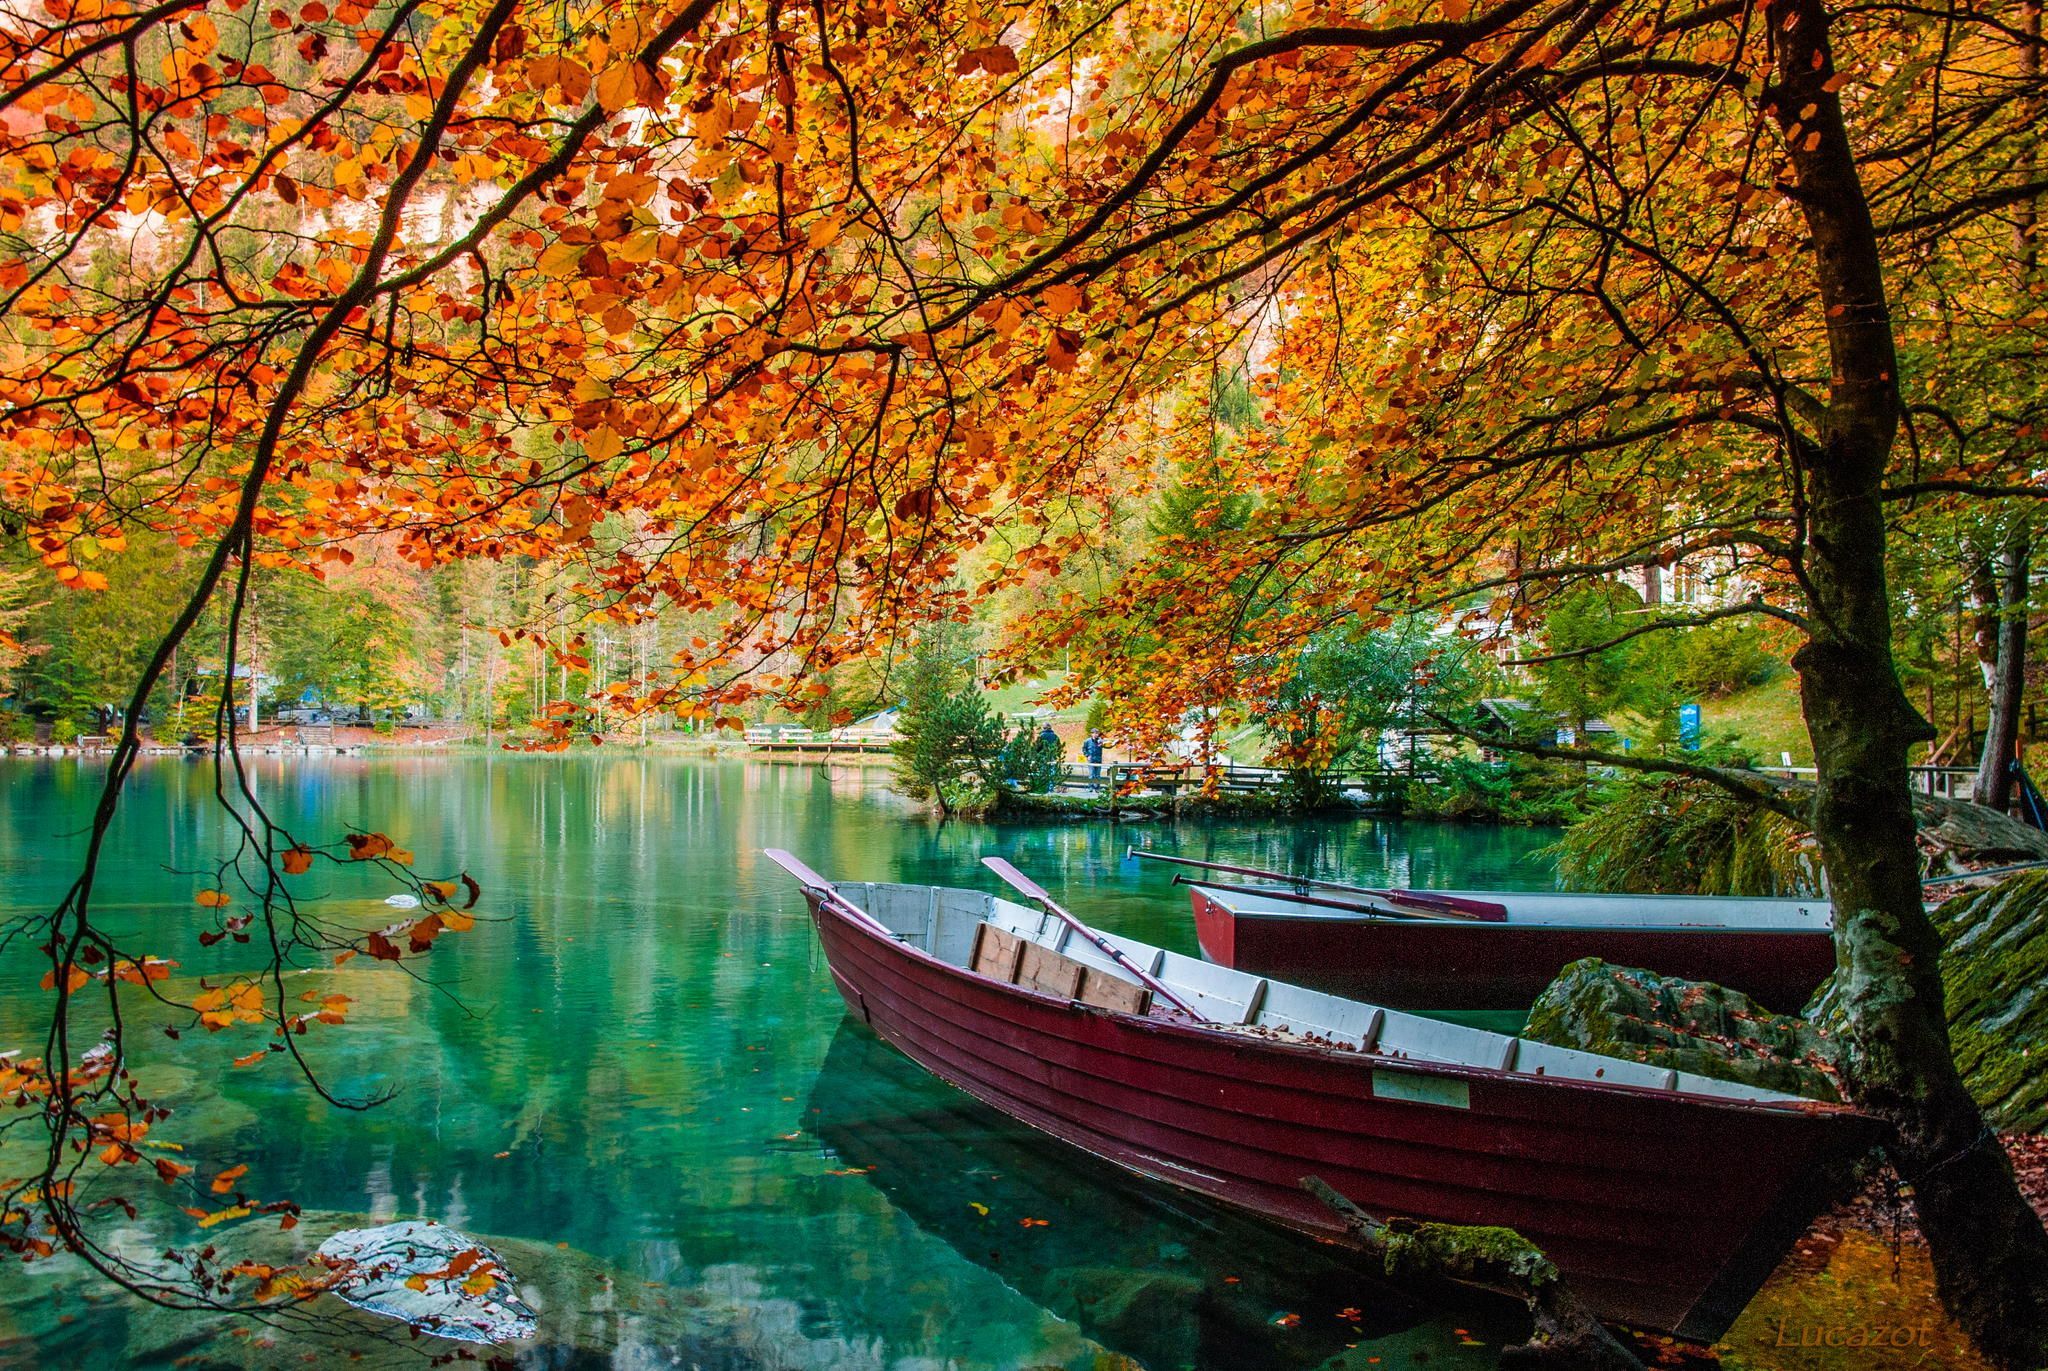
<point x="1685" y="1025"/>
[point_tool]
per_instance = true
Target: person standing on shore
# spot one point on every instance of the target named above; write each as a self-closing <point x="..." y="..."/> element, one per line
<point x="1092" y="750"/>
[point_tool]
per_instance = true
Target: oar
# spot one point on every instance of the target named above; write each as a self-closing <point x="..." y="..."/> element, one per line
<point x="1445" y="906"/>
<point x="822" y="888"/>
<point x="1036" y="892"/>
<point x="1318" y="901"/>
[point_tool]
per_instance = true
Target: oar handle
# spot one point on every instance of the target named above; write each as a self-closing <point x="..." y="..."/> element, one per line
<point x="1025" y="885"/>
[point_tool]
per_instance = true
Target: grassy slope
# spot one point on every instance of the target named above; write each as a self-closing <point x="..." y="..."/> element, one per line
<point x="1766" y="718"/>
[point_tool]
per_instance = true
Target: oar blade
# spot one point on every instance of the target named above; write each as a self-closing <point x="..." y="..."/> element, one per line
<point x="789" y="862"/>
<point x="1016" y="878"/>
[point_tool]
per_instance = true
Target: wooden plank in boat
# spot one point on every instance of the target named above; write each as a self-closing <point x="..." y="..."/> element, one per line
<point x="1113" y="992"/>
<point x="1003" y="956"/>
<point x="1047" y="970"/>
<point x="996" y="953"/>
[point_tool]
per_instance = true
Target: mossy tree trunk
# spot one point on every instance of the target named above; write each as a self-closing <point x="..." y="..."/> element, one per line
<point x="1564" y="1334"/>
<point x="1989" y="1251"/>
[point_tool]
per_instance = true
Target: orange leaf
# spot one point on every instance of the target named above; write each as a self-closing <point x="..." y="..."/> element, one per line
<point x="74" y="977"/>
<point x="225" y="1181"/>
<point x="296" y="861"/>
<point x="362" y="847"/>
<point x="213" y="899"/>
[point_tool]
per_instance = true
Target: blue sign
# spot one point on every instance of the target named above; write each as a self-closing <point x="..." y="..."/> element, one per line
<point x="1689" y="727"/>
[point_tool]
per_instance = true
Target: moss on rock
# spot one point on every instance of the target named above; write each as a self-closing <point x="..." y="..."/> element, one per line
<point x="1994" y="977"/>
<point x="1694" y="1026"/>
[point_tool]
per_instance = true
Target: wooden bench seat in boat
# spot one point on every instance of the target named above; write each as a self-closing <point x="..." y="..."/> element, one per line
<point x="1004" y="956"/>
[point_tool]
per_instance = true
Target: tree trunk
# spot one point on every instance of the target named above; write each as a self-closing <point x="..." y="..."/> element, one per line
<point x="1988" y="1247"/>
<point x="1993" y="787"/>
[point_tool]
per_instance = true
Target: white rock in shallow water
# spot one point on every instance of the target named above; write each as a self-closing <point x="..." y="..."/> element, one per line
<point x="431" y="1277"/>
<point x="402" y="901"/>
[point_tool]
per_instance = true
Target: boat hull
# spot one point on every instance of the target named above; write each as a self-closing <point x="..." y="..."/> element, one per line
<point x="1441" y="964"/>
<point x="1630" y="1192"/>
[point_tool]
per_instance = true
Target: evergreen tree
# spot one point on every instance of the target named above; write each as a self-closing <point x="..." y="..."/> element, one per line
<point x="948" y="742"/>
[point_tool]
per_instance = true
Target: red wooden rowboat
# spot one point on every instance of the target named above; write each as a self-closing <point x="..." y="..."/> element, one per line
<point x="1776" y="951"/>
<point x="1665" y="1198"/>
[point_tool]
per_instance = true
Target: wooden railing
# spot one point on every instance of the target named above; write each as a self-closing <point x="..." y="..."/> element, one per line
<point x="1174" y="778"/>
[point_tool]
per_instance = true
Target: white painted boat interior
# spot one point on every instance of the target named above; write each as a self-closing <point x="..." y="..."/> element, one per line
<point x="942" y="921"/>
<point x="1549" y="909"/>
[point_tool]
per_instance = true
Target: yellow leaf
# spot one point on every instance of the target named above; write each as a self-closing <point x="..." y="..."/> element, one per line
<point x="239" y="1211"/>
<point x="603" y="444"/>
<point x="638" y="246"/>
<point x="561" y="258"/>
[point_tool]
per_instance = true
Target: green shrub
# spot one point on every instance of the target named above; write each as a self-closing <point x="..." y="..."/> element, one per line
<point x="15" y="727"/>
<point x="1029" y="763"/>
<point x="1671" y="835"/>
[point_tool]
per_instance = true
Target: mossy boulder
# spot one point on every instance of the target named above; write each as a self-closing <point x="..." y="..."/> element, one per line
<point x="1695" y="1026"/>
<point x="1994" y="976"/>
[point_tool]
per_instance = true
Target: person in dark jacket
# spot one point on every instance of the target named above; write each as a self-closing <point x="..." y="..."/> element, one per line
<point x="1092" y="750"/>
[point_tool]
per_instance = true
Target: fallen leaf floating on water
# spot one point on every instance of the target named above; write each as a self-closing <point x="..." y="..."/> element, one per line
<point x="218" y="1216"/>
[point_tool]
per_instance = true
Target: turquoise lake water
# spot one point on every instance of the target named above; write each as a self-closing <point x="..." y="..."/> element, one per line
<point x="634" y="1074"/>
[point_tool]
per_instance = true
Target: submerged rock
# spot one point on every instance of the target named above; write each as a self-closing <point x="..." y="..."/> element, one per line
<point x="1160" y="1310"/>
<point x="1695" y="1026"/>
<point x="429" y="1277"/>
